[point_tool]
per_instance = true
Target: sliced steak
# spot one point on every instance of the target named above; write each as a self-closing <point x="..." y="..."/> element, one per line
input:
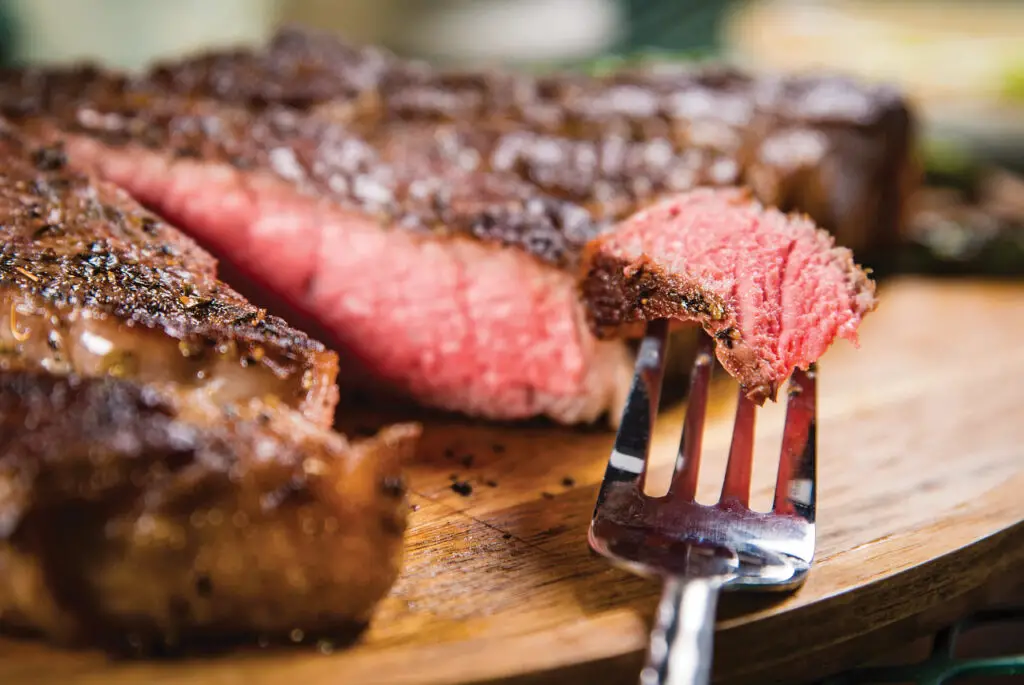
<point x="838" y="149"/>
<point x="772" y="289"/>
<point x="142" y="517"/>
<point x="433" y="223"/>
<point x="304" y="206"/>
<point x="91" y="283"/>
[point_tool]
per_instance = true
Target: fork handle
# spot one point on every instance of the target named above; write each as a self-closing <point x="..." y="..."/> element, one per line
<point x="684" y="628"/>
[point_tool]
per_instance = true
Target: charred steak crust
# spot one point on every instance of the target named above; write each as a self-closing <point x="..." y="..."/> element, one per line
<point x="69" y="243"/>
<point x="136" y="519"/>
<point x="403" y="175"/>
<point x="550" y="161"/>
<point x="623" y="286"/>
<point x="166" y="471"/>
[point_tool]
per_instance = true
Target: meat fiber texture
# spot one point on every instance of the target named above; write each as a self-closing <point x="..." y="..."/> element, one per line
<point x="772" y="289"/>
<point x="431" y="224"/>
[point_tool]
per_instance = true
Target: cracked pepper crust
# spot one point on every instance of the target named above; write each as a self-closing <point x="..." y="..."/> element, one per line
<point x="73" y="250"/>
<point x="167" y="476"/>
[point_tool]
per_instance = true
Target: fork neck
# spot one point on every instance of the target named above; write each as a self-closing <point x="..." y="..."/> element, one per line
<point x="683" y="634"/>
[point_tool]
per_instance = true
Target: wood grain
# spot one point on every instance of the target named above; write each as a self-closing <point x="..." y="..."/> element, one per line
<point x="921" y="475"/>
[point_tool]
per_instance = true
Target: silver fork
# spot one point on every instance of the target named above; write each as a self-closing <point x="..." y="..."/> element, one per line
<point x="698" y="550"/>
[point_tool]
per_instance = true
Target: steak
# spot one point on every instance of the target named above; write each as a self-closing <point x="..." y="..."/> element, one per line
<point x="144" y="518"/>
<point x="432" y="223"/>
<point x="93" y="284"/>
<point x="772" y="289"/>
<point x="167" y="471"/>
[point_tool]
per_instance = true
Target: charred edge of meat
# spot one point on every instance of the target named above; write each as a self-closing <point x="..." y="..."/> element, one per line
<point x="621" y="296"/>
<point x="617" y="294"/>
<point x="123" y="515"/>
<point x="75" y="244"/>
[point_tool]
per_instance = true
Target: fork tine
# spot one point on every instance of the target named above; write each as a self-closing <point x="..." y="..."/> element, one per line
<point x="684" y="479"/>
<point x="736" y="487"/>
<point x="628" y="459"/>
<point x="795" y="487"/>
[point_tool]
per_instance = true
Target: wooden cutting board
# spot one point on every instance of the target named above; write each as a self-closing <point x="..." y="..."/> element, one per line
<point x="921" y="510"/>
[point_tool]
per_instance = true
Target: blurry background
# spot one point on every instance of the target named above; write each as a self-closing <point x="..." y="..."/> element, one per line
<point x="961" y="60"/>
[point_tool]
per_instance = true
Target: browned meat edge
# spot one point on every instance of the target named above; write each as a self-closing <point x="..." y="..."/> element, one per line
<point x="70" y="244"/>
<point x="136" y="519"/>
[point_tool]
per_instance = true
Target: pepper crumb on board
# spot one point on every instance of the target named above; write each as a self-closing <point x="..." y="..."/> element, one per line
<point x="568" y="481"/>
<point x="547" y="495"/>
<point x="204" y="586"/>
<point x="491" y="483"/>
<point x="467" y="460"/>
<point x="506" y="536"/>
<point x="462" y="487"/>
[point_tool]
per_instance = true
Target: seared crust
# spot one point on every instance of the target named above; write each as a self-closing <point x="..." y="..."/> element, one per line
<point x="158" y="487"/>
<point x="69" y="245"/>
<point x="246" y="523"/>
<point x="543" y="164"/>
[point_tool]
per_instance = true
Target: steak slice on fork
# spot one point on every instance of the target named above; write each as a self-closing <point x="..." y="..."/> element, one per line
<point x="773" y="290"/>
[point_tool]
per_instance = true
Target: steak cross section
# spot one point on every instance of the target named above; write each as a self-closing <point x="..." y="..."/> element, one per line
<point x="139" y="517"/>
<point x="91" y="283"/>
<point x="432" y="223"/>
<point x="772" y="288"/>
<point x="167" y="470"/>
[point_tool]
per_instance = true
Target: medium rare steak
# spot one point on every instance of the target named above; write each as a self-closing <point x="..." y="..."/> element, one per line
<point x="432" y="223"/>
<point x="830" y="146"/>
<point x="772" y="289"/>
<point x="142" y="517"/>
<point x="93" y="284"/>
<point x="166" y="467"/>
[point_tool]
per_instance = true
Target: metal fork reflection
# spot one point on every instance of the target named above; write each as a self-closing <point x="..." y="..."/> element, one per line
<point x="696" y="549"/>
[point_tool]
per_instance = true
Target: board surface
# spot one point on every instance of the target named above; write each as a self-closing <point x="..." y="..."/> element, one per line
<point x="921" y="513"/>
